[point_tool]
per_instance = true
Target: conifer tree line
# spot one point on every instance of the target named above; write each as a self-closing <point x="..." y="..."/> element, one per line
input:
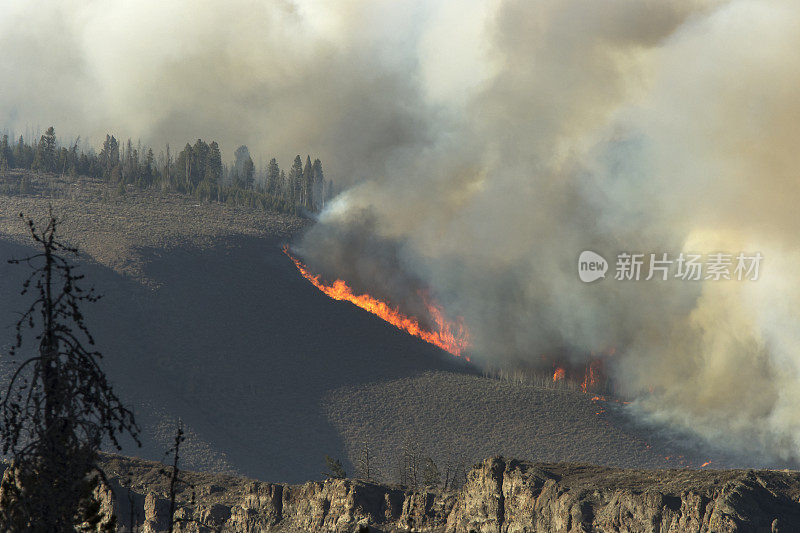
<point x="197" y="170"/>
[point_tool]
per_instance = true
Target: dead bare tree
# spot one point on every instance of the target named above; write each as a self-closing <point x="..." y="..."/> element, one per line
<point x="58" y="407"/>
<point x="174" y="478"/>
<point x="365" y="465"/>
<point x="133" y="515"/>
<point x="175" y="481"/>
<point x="409" y="462"/>
<point x="455" y="473"/>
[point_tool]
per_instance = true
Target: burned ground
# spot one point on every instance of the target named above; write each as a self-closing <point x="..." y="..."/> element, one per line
<point x="204" y="319"/>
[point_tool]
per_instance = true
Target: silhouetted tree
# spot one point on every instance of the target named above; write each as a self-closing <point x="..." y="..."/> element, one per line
<point x="175" y="481"/>
<point x="59" y="406"/>
<point x="174" y="478"/>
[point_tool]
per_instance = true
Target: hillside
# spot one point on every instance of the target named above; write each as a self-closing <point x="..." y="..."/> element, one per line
<point x="204" y="319"/>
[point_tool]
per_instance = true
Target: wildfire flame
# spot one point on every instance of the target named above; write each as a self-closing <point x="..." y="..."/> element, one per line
<point x="591" y="378"/>
<point x="450" y="336"/>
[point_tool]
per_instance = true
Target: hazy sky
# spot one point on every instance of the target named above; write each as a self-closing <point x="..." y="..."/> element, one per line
<point x="349" y="81"/>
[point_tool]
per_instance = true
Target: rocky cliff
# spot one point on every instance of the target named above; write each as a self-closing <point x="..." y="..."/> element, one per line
<point x="499" y="496"/>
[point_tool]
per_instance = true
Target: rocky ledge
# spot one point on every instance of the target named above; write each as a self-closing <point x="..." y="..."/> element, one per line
<point x="499" y="495"/>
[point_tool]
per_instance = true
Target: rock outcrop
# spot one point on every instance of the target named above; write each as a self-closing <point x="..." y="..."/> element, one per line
<point x="499" y="496"/>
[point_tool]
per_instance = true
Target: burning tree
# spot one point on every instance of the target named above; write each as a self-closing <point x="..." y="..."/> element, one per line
<point x="58" y="407"/>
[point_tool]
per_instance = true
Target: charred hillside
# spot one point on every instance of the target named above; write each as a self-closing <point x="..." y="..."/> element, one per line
<point x="204" y="319"/>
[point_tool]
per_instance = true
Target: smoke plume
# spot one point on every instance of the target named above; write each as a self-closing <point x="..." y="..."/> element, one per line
<point x="486" y="144"/>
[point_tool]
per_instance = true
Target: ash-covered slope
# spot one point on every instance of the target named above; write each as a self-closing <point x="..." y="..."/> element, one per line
<point x="269" y="374"/>
<point x="243" y="350"/>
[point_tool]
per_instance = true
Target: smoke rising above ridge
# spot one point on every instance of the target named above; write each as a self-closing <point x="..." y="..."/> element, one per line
<point x="641" y="127"/>
<point x="486" y="144"/>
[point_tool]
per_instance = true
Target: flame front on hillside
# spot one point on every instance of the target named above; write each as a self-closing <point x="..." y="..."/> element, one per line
<point x="450" y="336"/>
<point x="590" y="377"/>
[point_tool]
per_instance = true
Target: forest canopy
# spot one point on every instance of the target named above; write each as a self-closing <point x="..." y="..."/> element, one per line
<point x="197" y="170"/>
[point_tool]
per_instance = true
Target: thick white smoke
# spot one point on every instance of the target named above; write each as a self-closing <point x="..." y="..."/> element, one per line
<point x="623" y="126"/>
<point x="488" y="143"/>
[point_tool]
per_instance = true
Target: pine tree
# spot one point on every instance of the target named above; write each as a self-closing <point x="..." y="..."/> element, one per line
<point x="213" y="174"/>
<point x="109" y="157"/>
<point x="44" y="160"/>
<point x="21" y="159"/>
<point x="296" y="182"/>
<point x="318" y="186"/>
<point x="308" y="180"/>
<point x="183" y="169"/>
<point x="129" y="165"/>
<point x="6" y="160"/>
<point x="335" y="470"/>
<point x="248" y="176"/>
<point x="244" y="168"/>
<point x="148" y="168"/>
<point x="200" y="154"/>
<point x="284" y="188"/>
<point x="73" y="159"/>
<point x="58" y="407"/>
<point x="273" y="177"/>
<point x="166" y="181"/>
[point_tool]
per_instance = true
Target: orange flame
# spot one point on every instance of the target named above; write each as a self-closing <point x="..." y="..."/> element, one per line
<point x="449" y="336"/>
<point x="591" y="378"/>
<point x="559" y="374"/>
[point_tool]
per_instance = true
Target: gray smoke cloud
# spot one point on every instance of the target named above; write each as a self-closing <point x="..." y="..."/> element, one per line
<point x="620" y="126"/>
<point x="488" y="143"/>
<point x="281" y="77"/>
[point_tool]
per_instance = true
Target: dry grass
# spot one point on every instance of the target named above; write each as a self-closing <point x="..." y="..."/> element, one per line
<point x="452" y="414"/>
